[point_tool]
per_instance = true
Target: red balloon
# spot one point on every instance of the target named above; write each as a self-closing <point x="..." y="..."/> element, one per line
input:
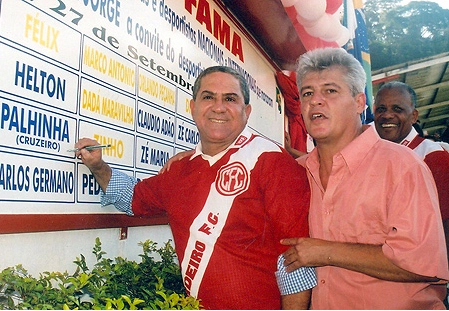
<point x="333" y="5"/>
<point x="291" y="12"/>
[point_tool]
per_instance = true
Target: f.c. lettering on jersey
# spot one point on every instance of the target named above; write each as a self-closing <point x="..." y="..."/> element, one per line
<point x="194" y="262"/>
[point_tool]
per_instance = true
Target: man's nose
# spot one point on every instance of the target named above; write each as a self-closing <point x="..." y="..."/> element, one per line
<point x="219" y="104"/>
<point x="316" y="99"/>
<point x="388" y="114"/>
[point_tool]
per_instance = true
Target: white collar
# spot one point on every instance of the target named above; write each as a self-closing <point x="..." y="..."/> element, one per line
<point x="407" y="140"/>
<point x="244" y="136"/>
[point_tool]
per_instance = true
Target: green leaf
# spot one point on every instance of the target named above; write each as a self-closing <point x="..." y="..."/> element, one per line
<point x="111" y="284"/>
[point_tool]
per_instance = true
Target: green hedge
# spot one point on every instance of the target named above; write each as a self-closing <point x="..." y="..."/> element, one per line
<point x="118" y="284"/>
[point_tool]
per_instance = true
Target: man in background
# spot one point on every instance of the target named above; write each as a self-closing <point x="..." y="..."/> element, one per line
<point x="394" y="116"/>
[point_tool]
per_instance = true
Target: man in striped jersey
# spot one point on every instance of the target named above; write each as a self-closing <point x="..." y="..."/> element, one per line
<point x="228" y="204"/>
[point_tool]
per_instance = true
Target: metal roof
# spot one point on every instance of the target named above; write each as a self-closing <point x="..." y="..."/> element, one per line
<point x="429" y="78"/>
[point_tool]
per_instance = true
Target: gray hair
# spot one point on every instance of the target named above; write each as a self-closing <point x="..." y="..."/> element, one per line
<point x="400" y="85"/>
<point x="243" y="84"/>
<point x="324" y="58"/>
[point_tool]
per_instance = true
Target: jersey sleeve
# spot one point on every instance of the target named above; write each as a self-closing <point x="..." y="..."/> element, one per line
<point x="287" y="197"/>
<point x="438" y="163"/>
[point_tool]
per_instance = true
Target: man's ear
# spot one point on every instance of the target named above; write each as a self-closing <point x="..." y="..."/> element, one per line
<point x="360" y="98"/>
<point x="248" y="110"/>
<point x="192" y="105"/>
<point x="415" y="115"/>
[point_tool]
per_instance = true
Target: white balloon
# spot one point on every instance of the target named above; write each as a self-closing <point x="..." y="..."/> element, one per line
<point x="320" y="27"/>
<point x="305" y="22"/>
<point x="310" y="10"/>
<point x="287" y="3"/>
<point x="344" y="36"/>
<point x="334" y="29"/>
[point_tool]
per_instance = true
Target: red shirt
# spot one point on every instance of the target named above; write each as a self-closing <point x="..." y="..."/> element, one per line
<point x="437" y="159"/>
<point x="247" y="198"/>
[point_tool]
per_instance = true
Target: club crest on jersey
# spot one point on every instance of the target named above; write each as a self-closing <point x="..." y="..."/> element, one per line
<point x="232" y="179"/>
<point x="241" y="140"/>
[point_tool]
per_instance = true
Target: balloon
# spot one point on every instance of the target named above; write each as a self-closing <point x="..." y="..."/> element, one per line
<point x="334" y="29"/>
<point x="291" y="12"/>
<point x="310" y="42"/>
<point x="333" y="6"/>
<point x="307" y="40"/>
<point x="344" y="36"/>
<point x="305" y="22"/>
<point x="287" y="3"/>
<point x="310" y="10"/>
<point x="320" y="27"/>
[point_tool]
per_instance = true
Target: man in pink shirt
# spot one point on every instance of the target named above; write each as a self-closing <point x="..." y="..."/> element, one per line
<point x="376" y="234"/>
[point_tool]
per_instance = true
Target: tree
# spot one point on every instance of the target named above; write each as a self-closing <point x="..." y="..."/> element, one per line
<point x="401" y="33"/>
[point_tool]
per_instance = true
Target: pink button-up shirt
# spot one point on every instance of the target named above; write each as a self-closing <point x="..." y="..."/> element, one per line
<point x="378" y="193"/>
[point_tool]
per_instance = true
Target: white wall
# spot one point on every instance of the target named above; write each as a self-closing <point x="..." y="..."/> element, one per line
<point x="79" y="34"/>
<point x="56" y="251"/>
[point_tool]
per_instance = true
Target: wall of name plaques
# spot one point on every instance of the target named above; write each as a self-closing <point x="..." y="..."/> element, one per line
<point x="117" y="71"/>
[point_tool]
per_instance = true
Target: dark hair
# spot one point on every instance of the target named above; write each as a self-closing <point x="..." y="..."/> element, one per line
<point x="403" y="86"/>
<point x="243" y="84"/>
